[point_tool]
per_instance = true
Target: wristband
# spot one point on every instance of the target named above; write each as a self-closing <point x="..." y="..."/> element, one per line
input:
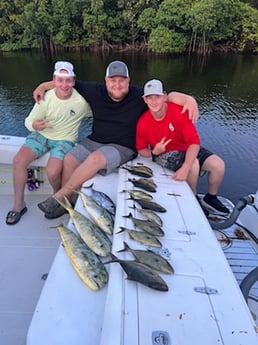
<point x="153" y="156"/>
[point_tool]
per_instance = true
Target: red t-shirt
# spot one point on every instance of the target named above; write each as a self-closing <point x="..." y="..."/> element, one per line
<point x="174" y="125"/>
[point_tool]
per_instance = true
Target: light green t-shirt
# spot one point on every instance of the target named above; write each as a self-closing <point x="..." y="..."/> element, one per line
<point x="64" y="116"/>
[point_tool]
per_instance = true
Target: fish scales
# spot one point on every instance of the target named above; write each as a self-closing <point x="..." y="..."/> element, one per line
<point x="91" y="234"/>
<point x="138" y="194"/>
<point x="146" y="225"/>
<point x="149" y="214"/>
<point x="151" y="259"/>
<point x="102" y="199"/>
<point x="86" y="263"/>
<point x="99" y="214"/>
<point x="140" y="170"/>
<point x="143" y="238"/>
<point x="143" y="183"/>
<point x="141" y="273"/>
<point x="150" y="205"/>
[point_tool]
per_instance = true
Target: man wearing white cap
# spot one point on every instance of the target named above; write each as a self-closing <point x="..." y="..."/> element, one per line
<point x="116" y="107"/>
<point x="54" y="125"/>
<point x="173" y="142"/>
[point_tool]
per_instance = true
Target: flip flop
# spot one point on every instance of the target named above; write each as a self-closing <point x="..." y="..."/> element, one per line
<point x="16" y="216"/>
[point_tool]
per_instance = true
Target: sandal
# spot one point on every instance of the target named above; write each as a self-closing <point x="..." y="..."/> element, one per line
<point x="15" y="216"/>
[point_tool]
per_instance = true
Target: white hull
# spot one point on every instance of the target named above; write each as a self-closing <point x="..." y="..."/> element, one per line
<point x="125" y="312"/>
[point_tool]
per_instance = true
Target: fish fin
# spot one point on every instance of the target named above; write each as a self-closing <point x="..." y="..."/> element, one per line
<point x="90" y="186"/>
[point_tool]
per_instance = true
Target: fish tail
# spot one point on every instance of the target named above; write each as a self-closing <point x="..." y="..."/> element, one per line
<point x="90" y="186"/>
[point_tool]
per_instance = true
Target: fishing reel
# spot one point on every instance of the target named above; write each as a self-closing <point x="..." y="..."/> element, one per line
<point x="33" y="181"/>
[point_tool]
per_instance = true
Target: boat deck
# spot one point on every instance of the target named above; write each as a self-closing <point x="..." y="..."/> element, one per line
<point x="27" y="251"/>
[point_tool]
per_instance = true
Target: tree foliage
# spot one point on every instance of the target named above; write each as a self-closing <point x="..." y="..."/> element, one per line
<point x="160" y="26"/>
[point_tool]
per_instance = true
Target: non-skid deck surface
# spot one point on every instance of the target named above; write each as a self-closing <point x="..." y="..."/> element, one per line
<point x="27" y="250"/>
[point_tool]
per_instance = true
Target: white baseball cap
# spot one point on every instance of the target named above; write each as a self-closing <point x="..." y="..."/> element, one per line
<point x="153" y="87"/>
<point x="64" y="65"/>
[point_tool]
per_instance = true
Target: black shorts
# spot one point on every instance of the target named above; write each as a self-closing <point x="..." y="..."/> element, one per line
<point x="173" y="160"/>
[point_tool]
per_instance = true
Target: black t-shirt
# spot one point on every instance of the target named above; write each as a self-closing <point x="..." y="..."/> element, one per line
<point x="113" y="122"/>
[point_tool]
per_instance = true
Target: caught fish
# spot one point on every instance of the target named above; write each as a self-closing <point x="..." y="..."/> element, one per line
<point x="151" y="259"/>
<point x="102" y="199"/>
<point x="91" y="234"/>
<point x="146" y="225"/>
<point x="99" y="215"/>
<point x="144" y="183"/>
<point x="141" y="273"/>
<point x="88" y="266"/>
<point x="150" y="205"/>
<point x="149" y="214"/>
<point x="143" y="238"/>
<point x="139" y="170"/>
<point x="138" y="194"/>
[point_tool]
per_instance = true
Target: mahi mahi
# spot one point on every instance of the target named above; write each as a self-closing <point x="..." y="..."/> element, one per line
<point x="88" y="266"/>
<point x="98" y="214"/>
<point x="91" y="234"/>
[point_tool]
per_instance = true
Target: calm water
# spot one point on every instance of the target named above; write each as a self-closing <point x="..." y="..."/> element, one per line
<point x="226" y="88"/>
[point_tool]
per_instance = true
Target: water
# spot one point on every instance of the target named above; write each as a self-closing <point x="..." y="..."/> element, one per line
<point x="226" y="88"/>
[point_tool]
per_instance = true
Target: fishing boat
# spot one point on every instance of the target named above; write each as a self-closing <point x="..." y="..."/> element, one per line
<point x="212" y="297"/>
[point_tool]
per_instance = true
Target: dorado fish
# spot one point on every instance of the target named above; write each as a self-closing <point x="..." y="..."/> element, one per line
<point x="144" y="183"/>
<point x="87" y="264"/>
<point x="91" y="234"/>
<point x="150" y="205"/>
<point x="149" y="214"/>
<point x="99" y="215"/>
<point x="140" y="170"/>
<point x="151" y="259"/>
<point x="102" y="199"/>
<point x="143" y="237"/>
<point x="141" y="273"/>
<point x="138" y="194"/>
<point x="146" y="225"/>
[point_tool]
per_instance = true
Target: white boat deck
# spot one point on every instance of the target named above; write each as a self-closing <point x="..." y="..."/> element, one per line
<point x="57" y="310"/>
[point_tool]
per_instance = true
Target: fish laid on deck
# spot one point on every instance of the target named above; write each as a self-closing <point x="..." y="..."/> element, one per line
<point x="143" y="237"/>
<point x="98" y="214"/>
<point x="91" y="234"/>
<point x="141" y="273"/>
<point x="144" y="183"/>
<point x="138" y="194"/>
<point x="139" y="170"/>
<point x="151" y="259"/>
<point x="149" y="214"/>
<point x="102" y="199"/>
<point x="88" y="266"/>
<point x="146" y="225"/>
<point x="150" y="205"/>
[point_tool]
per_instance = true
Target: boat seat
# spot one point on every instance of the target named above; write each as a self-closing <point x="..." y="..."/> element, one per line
<point x="9" y="147"/>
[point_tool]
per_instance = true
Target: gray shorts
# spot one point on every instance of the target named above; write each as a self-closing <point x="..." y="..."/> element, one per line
<point x="173" y="160"/>
<point x="115" y="155"/>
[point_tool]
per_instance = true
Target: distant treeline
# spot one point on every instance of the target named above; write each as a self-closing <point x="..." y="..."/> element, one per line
<point x="158" y="26"/>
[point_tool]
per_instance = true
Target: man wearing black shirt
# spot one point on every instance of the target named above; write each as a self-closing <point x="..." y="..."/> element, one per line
<point x="116" y="107"/>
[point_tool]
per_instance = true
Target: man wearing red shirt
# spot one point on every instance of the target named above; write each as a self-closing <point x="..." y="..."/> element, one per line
<point x="173" y="142"/>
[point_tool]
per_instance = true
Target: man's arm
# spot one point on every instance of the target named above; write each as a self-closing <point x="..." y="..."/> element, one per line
<point x="39" y="92"/>
<point x="188" y="102"/>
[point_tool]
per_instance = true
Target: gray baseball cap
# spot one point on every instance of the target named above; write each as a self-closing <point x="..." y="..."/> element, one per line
<point x="117" y="69"/>
<point x="153" y="87"/>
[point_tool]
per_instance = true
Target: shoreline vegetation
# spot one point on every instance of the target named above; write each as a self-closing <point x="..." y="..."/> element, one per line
<point x="156" y="26"/>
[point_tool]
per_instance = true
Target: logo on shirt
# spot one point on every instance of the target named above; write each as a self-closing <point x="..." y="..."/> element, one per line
<point x="171" y="127"/>
<point x="72" y="112"/>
